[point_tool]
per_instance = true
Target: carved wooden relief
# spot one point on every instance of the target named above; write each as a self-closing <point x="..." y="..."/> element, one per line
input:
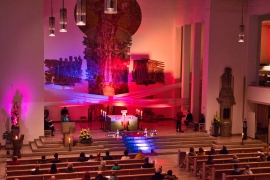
<point x="63" y="72"/>
<point x="146" y="71"/>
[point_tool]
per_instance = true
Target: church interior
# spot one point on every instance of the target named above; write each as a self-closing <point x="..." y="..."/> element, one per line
<point x="123" y="70"/>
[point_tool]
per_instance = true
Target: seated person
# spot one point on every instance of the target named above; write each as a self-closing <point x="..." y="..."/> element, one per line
<point x="201" y="121"/>
<point x="170" y="176"/>
<point x="69" y="168"/>
<point x="212" y="151"/>
<point x="140" y="155"/>
<point x="235" y="159"/>
<point x="201" y="151"/>
<point x="56" y="160"/>
<point x="224" y="150"/>
<point x="190" y="153"/>
<point x="236" y="171"/>
<point x="116" y="166"/>
<point x="102" y="166"/>
<point x="107" y="157"/>
<point x="52" y="178"/>
<point x="147" y="164"/>
<point x="125" y="157"/>
<point x="66" y="118"/>
<point x="189" y="118"/>
<point x="53" y="169"/>
<point x="91" y="158"/>
<point x="247" y="170"/>
<point x="98" y="157"/>
<point x="14" y="161"/>
<point x="158" y="175"/>
<point x="82" y="157"/>
<point x="43" y="160"/>
<point x="100" y="176"/>
<point x="37" y="171"/>
<point x="86" y="176"/>
<point x="261" y="158"/>
<point x="113" y="176"/>
<point x="210" y="160"/>
<point x="48" y="125"/>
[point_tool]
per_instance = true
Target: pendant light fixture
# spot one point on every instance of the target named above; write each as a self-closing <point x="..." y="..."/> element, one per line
<point x="242" y="26"/>
<point x="81" y="13"/>
<point x="110" y="6"/>
<point x="63" y="19"/>
<point x="51" y="22"/>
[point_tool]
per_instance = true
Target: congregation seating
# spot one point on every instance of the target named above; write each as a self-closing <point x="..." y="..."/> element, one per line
<point x="63" y="159"/>
<point x="210" y="171"/>
<point x="125" y="174"/>
<point x="261" y="176"/>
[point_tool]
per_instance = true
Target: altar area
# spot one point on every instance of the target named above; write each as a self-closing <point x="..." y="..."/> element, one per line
<point x="120" y="122"/>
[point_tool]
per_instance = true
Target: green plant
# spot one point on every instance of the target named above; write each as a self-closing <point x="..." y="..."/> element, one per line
<point x="216" y="121"/>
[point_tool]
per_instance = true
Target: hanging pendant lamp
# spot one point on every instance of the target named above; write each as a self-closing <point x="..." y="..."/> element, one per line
<point x="242" y="26"/>
<point x="63" y="19"/>
<point x="51" y="23"/>
<point x="81" y="13"/>
<point x="110" y="6"/>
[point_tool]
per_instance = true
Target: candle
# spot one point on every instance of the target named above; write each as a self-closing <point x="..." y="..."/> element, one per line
<point x="69" y="140"/>
<point x="242" y="135"/>
<point x="16" y="137"/>
<point x="101" y="111"/>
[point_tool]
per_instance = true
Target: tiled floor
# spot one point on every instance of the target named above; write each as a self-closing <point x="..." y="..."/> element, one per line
<point x="164" y="128"/>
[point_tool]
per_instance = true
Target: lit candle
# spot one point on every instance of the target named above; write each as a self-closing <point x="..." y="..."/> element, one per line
<point x="16" y="137"/>
<point x="242" y="135"/>
<point x="69" y="140"/>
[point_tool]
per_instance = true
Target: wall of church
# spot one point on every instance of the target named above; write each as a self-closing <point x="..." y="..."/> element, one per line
<point x="155" y="40"/>
<point x="21" y="55"/>
<point x="221" y="49"/>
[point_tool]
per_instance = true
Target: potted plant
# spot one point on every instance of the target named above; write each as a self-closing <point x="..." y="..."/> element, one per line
<point x="85" y="136"/>
<point x="216" y="124"/>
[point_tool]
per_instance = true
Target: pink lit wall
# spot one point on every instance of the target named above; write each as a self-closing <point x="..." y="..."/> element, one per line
<point x="154" y="39"/>
<point x="21" y="68"/>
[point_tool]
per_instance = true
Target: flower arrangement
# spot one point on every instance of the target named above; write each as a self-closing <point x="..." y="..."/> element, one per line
<point x="85" y="136"/>
<point x="216" y="121"/>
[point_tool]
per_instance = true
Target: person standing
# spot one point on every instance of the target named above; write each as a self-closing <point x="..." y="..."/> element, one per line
<point x="179" y="117"/>
<point x="64" y="112"/>
<point x="189" y="118"/>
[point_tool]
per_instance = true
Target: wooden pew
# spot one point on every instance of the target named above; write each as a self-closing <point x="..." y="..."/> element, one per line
<point x="63" y="159"/>
<point x="182" y="154"/>
<point x="198" y="163"/>
<point x="76" y="169"/>
<point x="125" y="172"/>
<point x="261" y="176"/>
<point x="217" y="174"/>
<point x="208" y="168"/>
<point x="75" y="164"/>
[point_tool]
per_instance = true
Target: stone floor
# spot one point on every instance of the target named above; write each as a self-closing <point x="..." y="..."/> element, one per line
<point x="164" y="128"/>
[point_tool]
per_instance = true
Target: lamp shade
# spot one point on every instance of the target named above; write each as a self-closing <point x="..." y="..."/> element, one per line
<point x="51" y="26"/>
<point x="241" y="33"/>
<point x="63" y="19"/>
<point x="110" y="6"/>
<point x="81" y="13"/>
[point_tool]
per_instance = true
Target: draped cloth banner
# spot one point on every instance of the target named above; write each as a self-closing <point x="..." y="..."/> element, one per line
<point x="72" y="98"/>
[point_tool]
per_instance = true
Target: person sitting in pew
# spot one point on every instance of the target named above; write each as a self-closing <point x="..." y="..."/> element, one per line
<point x="107" y="157"/>
<point x="210" y="160"/>
<point x="52" y="178"/>
<point x="102" y="166"/>
<point x="201" y="151"/>
<point x="43" y="160"/>
<point x="82" y="157"/>
<point x="14" y="161"/>
<point x="235" y="159"/>
<point x="53" y="169"/>
<point x="190" y="153"/>
<point x="98" y="157"/>
<point x="261" y="158"/>
<point x="69" y="168"/>
<point x="100" y="176"/>
<point x="86" y="176"/>
<point x="91" y="158"/>
<point x="56" y="159"/>
<point x="224" y="150"/>
<point x="170" y="176"/>
<point x="147" y="164"/>
<point x="158" y="175"/>
<point x="125" y="157"/>
<point x="247" y="170"/>
<point x="140" y="155"/>
<point x="116" y="166"/>
<point x="37" y="171"/>
<point x="212" y="151"/>
<point x="113" y="176"/>
<point x="236" y="170"/>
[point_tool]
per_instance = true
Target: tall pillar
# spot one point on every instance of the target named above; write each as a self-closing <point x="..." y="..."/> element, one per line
<point x="186" y="62"/>
<point x="196" y="68"/>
